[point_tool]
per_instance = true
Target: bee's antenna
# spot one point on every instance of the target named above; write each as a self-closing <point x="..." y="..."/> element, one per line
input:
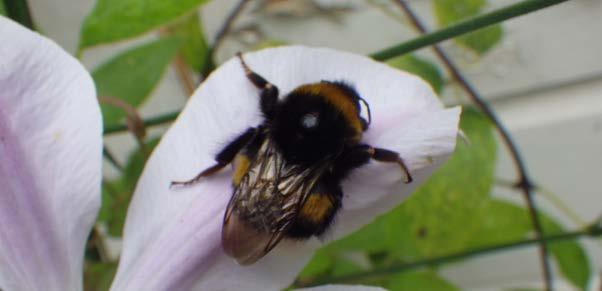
<point x="367" y="109"/>
<point x="243" y="63"/>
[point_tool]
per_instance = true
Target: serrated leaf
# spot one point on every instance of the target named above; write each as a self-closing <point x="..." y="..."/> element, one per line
<point x="420" y="280"/>
<point x="449" y="11"/>
<point x="441" y="213"/>
<point x="194" y="47"/>
<point x="569" y="255"/>
<point x="132" y="75"/>
<point x="98" y="276"/>
<point x="421" y="67"/>
<point x="113" y="20"/>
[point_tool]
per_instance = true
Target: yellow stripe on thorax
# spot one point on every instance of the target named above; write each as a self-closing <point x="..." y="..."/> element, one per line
<point x="316" y="208"/>
<point x="339" y="99"/>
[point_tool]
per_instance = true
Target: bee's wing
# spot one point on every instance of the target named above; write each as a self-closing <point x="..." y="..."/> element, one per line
<point x="264" y="204"/>
<point x="245" y="243"/>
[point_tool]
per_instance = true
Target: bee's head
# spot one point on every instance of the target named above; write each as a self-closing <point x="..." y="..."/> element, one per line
<point x="316" y="121"/>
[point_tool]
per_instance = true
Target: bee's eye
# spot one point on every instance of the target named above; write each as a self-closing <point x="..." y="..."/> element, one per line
<point x="309" y="120"/>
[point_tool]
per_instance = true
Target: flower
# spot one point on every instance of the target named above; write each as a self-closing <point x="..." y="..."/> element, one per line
<point x="50" y="162"/>
<point x="50" y="168"/>
<point x="172" y="239"/>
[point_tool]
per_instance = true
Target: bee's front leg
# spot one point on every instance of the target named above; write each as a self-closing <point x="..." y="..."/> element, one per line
<point x="223" y="158"/>
<point x="361" y="154"/>
<point x="389" y="156"/>
<point x="269" y="92"/>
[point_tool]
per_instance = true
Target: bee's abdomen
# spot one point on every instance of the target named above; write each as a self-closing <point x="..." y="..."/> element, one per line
<point x="317" y="212"/>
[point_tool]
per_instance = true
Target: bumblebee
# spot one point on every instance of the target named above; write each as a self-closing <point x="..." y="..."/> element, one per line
<point x="288" y="169"/>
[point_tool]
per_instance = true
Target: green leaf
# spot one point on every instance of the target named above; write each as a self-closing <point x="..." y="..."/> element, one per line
<point x="2" y="9"/>
<point x="441" y="214"/>
<point x="107" y="199"/>
<point x="319" y="264"/>
<point x="194" y="45"/>
<point x="135" y="163"/>
<point x="504" y="222"/>
<point x="501" y="222"/>
<point x="450" y="11"/>
<point x="118" y="209"/>
<point x="421" y="67"/>
<point x="420" y="280"/>
<point x="117" y="194"/>
<point x="113" y="20"/>
<point x="343" y="267"/>
<point x="569" y="255"/>
<point x="98" y="276"/>
<point x="131" y="76"/>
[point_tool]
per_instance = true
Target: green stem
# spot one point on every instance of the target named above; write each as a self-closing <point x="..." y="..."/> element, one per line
<point x="593" y="231"/>
<point x="18" y="10"/>
<point x="155" y="120"/>
<point x="111" y="158"/>
<point x="465" y="26"/>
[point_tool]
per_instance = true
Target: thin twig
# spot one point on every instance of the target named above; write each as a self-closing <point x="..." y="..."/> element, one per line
<point x="99" y="244"/>
<point x="361" y="277"/>
<point x="465" y="26"/>
<point x="524" y="182"/>
<point x="182" y="70"/>
<point x="225" y="28"/>
<point x="184" y="75"/>
<point x="209" y="64"/>
<point x="550" y="196"/>
<point x="111" y="158"/>
<point x="133" y="120"/>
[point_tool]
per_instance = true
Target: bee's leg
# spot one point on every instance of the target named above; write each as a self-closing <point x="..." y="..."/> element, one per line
<point x="223" y="158"/>
<point x="269" y="92"/>
<point x="359" y="155"/>
<point x="385" y="155"/>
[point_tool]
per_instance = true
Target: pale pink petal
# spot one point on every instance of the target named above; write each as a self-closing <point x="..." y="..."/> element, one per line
<point x="172" y="238"/>
<point x="50" y="162"/>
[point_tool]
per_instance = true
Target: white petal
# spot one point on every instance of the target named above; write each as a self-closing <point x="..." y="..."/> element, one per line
<point x="342" y="288"/>
<point x="172" y="238"/>
<point x="50" y="159"/>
